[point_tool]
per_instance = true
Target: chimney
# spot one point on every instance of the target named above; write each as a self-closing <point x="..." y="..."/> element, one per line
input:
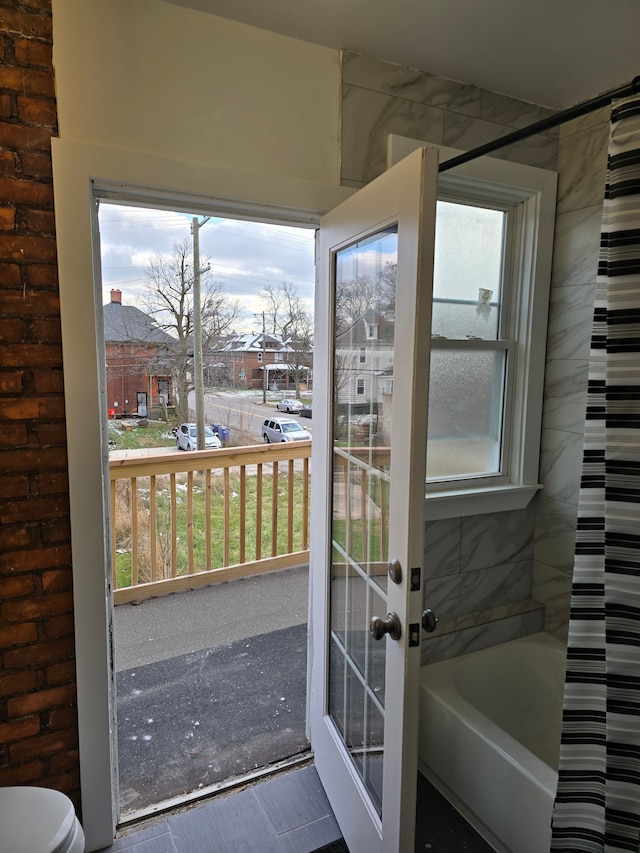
<point x="116" y="296"/>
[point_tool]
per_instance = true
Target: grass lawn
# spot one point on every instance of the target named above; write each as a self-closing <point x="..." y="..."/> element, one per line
<point x="130" y="435"/>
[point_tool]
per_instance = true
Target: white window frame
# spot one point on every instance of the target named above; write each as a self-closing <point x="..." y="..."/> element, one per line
<point x="530" y="194"/>
<point x="360" y="387"/>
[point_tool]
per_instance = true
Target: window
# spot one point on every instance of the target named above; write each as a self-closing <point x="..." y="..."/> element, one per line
<point x="360" y="386"/>
<point x="372" y="331"/>
<point x="363" y="355"/>
<point x="494" y="238"/>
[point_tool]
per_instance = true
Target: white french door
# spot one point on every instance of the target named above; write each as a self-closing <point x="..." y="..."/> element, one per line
<point x="371" y="376"/>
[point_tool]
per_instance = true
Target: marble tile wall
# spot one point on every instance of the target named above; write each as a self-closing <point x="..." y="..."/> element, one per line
<point x="379" y="98"/>
<point x="582" y="161"/>
<point x="494" y="577"/>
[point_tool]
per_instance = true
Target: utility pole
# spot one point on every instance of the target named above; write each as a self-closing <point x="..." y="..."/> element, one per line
<point x="198" y="371"/>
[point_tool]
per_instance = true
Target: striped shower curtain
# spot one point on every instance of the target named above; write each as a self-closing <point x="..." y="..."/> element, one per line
<point x="597" y="806"/>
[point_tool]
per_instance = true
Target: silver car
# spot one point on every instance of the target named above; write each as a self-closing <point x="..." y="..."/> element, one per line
<point x="283" y="429"/>
<point x="290" y="406"/>
<point x="187" y="437"/>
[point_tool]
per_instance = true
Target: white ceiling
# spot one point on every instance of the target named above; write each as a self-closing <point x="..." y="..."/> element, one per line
<point x="550" y="52"/>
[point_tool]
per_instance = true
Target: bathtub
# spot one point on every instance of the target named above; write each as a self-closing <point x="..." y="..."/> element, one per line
<point x="490" y="736"/>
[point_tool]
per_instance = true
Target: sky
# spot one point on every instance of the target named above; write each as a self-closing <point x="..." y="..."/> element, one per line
<point x="245" y="257"/>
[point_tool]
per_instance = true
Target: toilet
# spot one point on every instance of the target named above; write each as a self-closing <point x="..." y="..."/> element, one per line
<point x="38" y="820"/>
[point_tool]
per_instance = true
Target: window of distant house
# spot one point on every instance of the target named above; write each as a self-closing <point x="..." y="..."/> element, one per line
<point x="372" y="331"/>
<point x="359" y="386"/>
<point x="363" y="355"/>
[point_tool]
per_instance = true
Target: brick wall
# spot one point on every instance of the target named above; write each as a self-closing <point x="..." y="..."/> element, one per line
<point x="38" y="719"/>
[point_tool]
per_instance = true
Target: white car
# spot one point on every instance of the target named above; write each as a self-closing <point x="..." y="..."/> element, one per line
<point x="187" y="437"/>
<point x="283" y="429"/>
<point x="290" y="406"/>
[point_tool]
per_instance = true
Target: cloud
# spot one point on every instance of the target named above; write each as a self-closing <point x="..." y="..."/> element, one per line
<point x="245" y="256"/>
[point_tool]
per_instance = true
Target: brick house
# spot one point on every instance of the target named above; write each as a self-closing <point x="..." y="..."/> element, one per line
<point x="138" y="360"/>
<point x="245" y="358"/>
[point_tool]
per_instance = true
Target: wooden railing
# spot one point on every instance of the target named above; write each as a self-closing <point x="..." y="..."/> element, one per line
<point x="184" y="520"/>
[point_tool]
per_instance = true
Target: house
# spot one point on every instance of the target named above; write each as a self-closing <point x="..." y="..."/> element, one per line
<point x="138" y="360"/>
<point x="261" y="360"/>
<point x="241" y="113"/>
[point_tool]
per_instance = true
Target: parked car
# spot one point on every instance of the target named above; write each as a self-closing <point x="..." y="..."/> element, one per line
<point x="305" y="411"/>
<point x="290" y="406"/>
<point x="283" y="429"/>
<point x="187" y="437"/>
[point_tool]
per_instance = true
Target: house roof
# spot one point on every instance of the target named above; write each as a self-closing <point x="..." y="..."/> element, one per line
<point x="126" y="324"/>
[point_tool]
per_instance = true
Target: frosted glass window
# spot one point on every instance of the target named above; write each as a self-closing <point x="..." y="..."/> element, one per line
<point x="467" y="290"/>
<point x="465" y="413"/>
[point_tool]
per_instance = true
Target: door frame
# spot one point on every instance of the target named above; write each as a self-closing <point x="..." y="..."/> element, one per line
<point x="80" y="173"/>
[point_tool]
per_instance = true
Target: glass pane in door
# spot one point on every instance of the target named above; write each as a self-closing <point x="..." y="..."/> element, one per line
<point x="363" y="363"/>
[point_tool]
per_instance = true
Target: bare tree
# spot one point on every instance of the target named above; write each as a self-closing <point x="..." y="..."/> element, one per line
<point x="290" y="319"/>
<point x="169" y="299"/>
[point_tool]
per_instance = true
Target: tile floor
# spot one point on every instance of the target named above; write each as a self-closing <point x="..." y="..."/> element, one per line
<point x="288" y="813"/>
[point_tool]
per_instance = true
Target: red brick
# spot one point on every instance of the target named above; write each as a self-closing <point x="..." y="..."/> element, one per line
<point x="32" y="24"/>
<point x="29" y="52"/>
<point x="12" y="684"/>
<point x="39" y="654"/>
<point x="48" y="381"/>
<point x="19" y="729"/>
<point x="7" y="161"/>
<point x="64" y="718"/>
<point x="36" y="165"/>
<point x="36" y="608"/>
<point x="46" y="434"/>
<point x="34" y="508"/>
<point x="25" y="138"/>
<point x="11" y="330"/>
<point x="13" y="435"/>
<point x="64" y="761"/>
<point x="52" y="482"/>
<point x="42" y="275"/>
<point x="37" y="111"/>
<point x="41" y="222"/>
<point x="12" y="409"/>
<point x="21" y="191"/>
<point x="6" y="105"/>
<point x="21" y="774"/>
<point x="35" y="559"/>
<point x="14" y="536"/>
<point x="9" y="277"/>
<point x="14" y="587"/>
<point x="17" y="248"/>
<point x="41" y="700"/>
<point x="68" y="783"/>
<point x="57" y="581"/>
<point x="38" y="747"/>
<point x="14" y="487"/>
<point x="55" y="532"/>
<point x="46" y="330"/>
<point x="35" y="303"/>
<point x="7" y="218"/>
<point x="11" y="381"/>
<point x="17" y="635"/>
<point x="60" y="627"/>
<point x="27" y="81"/>
<point x="60" y="673"/>
<point x="30" y="355"/>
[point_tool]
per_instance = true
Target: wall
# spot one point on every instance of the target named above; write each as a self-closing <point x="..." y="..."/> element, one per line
<point x="582" y="162"/>
<point x="38" y="717"/>
<point x="153" y="77"/>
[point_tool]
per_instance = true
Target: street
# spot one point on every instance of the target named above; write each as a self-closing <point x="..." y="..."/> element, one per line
<point x="242" y="414"/>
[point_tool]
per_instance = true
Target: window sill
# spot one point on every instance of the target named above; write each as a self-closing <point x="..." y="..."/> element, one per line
<point x="464" y="502"/>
